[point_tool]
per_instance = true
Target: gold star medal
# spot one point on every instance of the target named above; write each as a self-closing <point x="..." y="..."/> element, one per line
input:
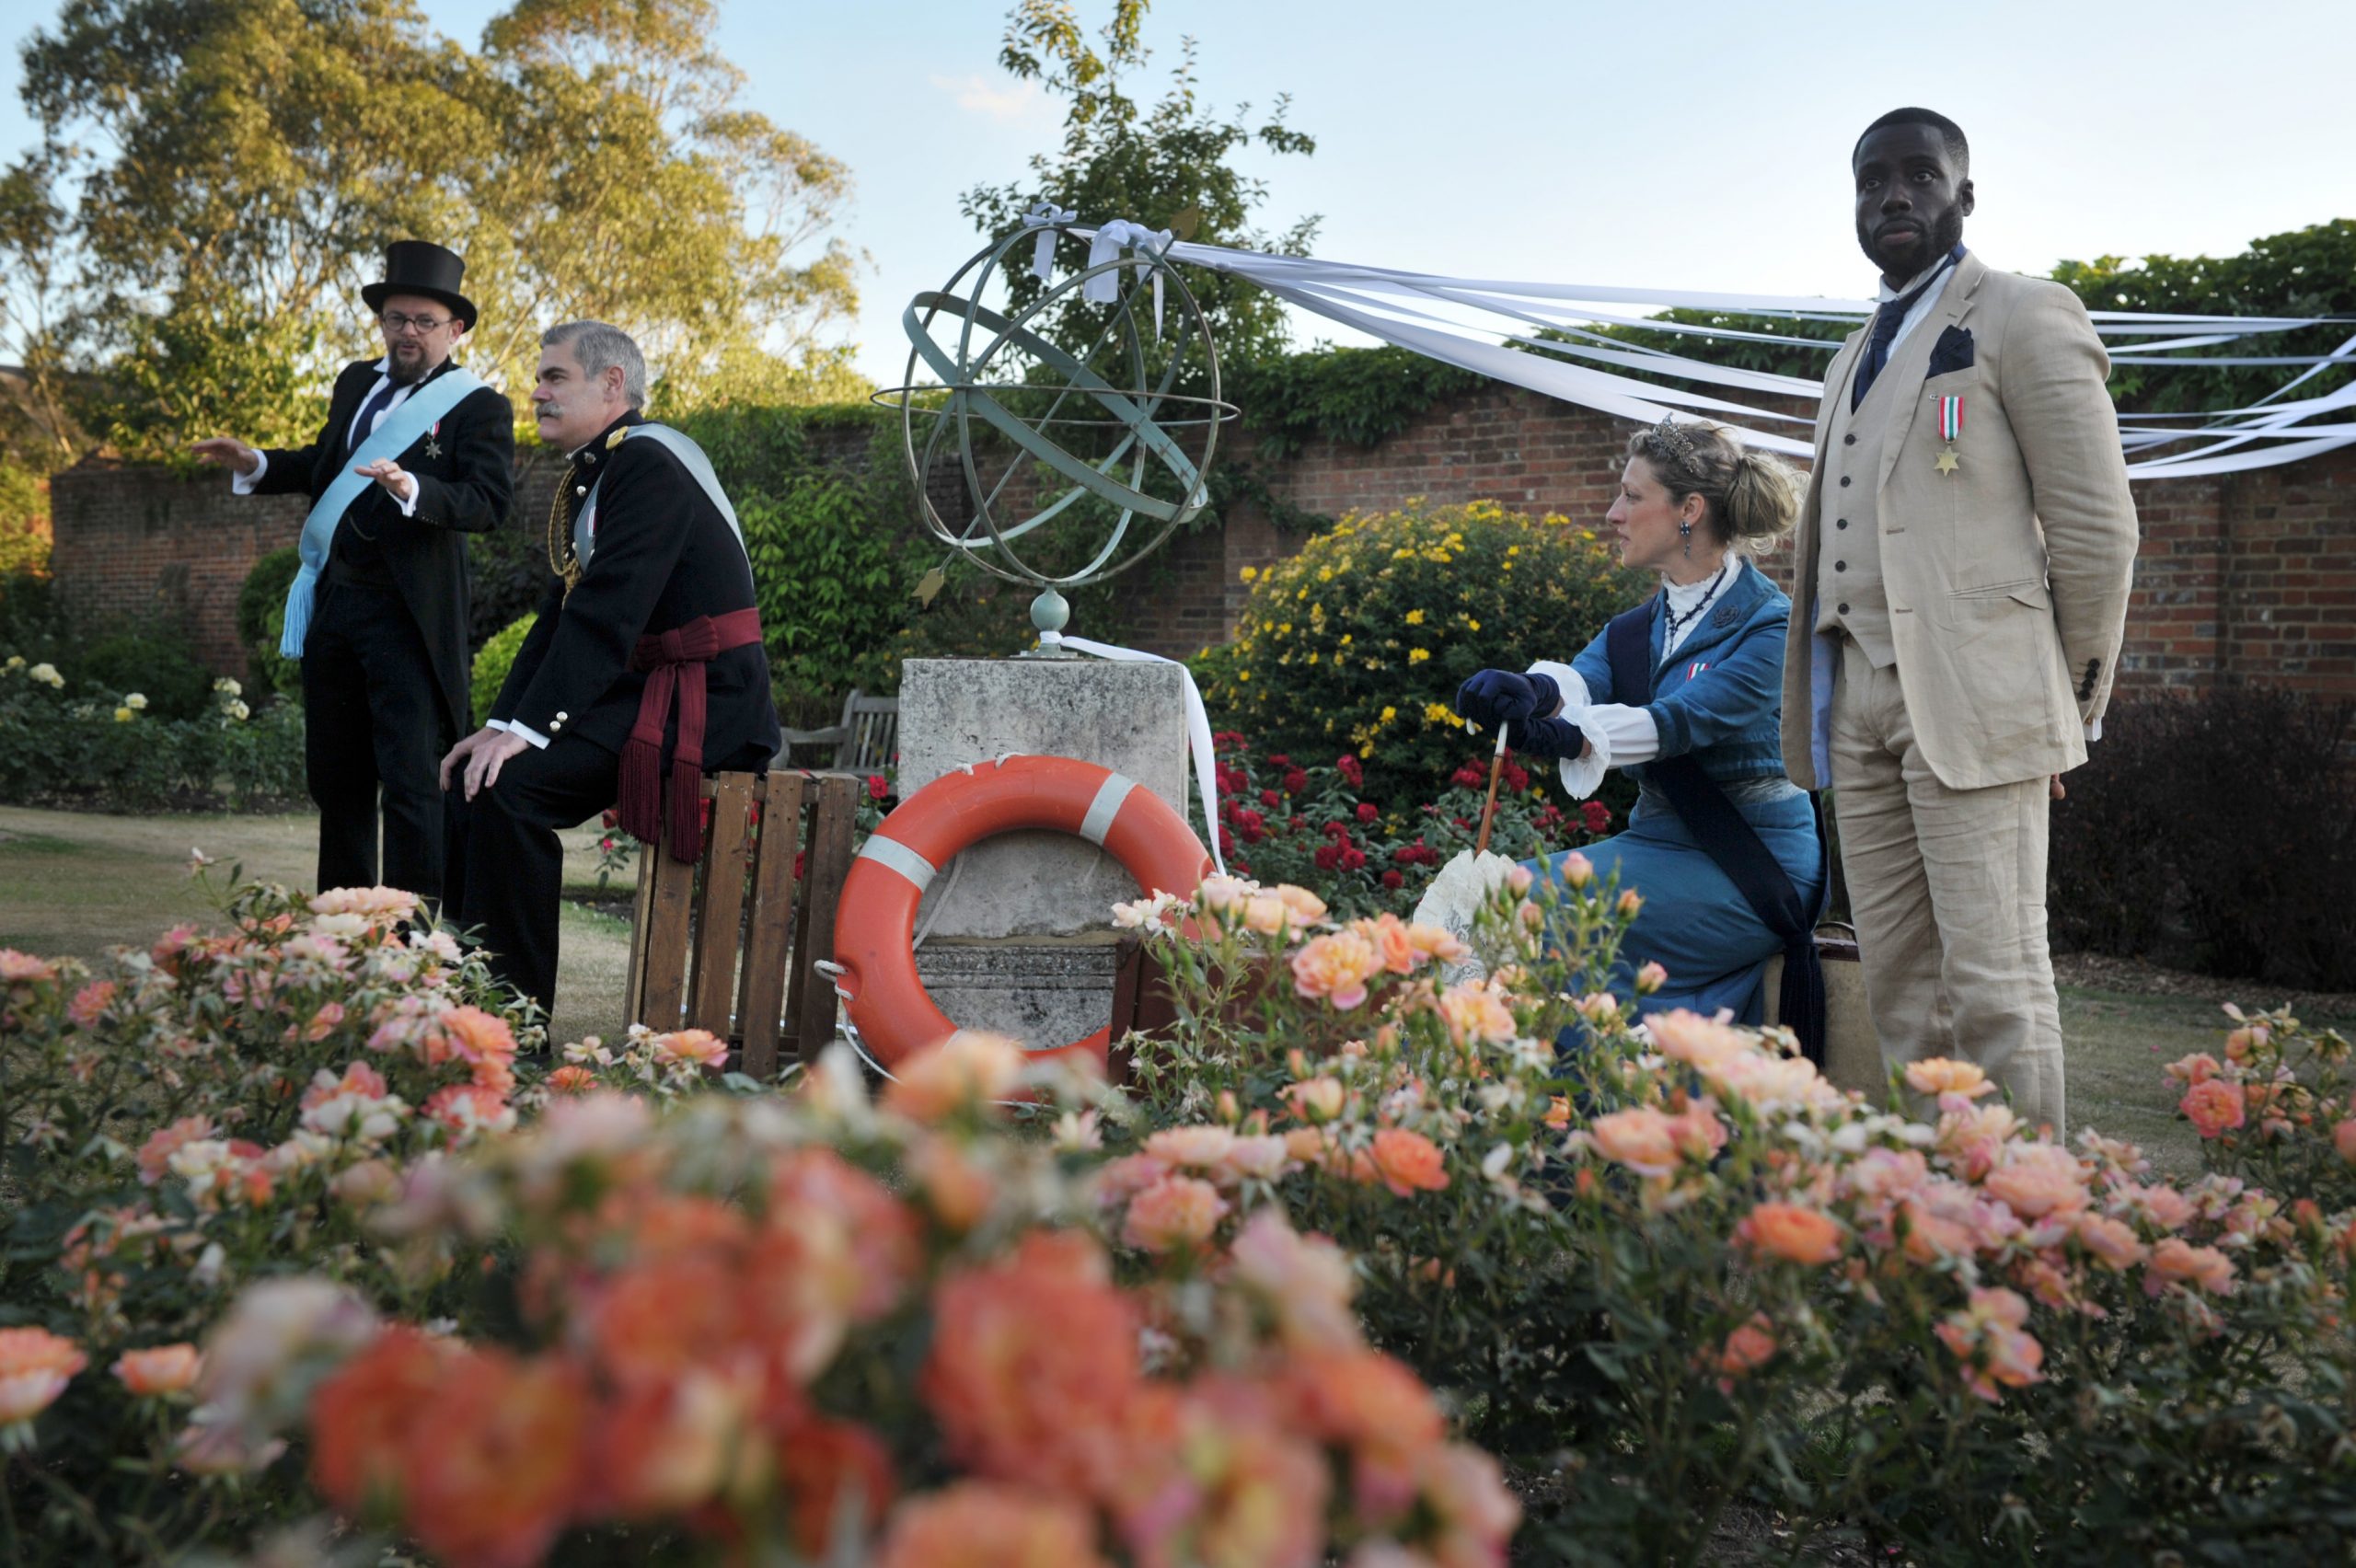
<point x="1950" y="431"/>
<point x="616" y="438"/>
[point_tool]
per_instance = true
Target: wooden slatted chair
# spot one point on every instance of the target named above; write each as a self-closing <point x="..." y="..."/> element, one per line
<point x="727" y="944"/>
<point x="864" y="739"/>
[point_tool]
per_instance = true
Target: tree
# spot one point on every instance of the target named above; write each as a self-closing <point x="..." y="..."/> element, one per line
<point x="221" y="177"/>
<point x="1168" y="165"/>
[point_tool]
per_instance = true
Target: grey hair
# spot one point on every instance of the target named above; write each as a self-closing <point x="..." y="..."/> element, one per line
<point x="600" y="347"/>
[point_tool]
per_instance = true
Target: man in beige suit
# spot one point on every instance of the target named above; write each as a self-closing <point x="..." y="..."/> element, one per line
<point x="1959" y="595"/>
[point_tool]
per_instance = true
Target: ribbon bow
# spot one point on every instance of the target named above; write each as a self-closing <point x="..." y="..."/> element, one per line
<point x="1045" y="215"/>
<point x="1111" y="241"/>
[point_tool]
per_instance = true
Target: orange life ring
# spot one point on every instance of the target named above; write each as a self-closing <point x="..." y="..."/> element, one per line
<point x="875" y="923"/>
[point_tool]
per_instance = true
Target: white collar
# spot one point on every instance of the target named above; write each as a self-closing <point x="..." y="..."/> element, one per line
<point x="1683" y="596"/>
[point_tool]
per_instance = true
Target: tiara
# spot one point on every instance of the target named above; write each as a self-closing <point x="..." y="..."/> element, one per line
<point x="1674" y="436"/>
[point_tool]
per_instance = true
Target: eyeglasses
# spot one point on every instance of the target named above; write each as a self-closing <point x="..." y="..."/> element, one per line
<point x="397" y="324"/>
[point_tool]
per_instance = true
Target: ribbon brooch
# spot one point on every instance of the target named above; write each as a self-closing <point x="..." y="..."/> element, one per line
<point x="1950" y="429"/>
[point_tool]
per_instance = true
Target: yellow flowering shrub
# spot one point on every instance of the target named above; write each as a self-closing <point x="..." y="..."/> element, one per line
<point x="1356" y="644"/>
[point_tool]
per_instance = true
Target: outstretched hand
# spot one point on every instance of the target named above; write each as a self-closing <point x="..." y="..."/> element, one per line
<point x="389" y="474"/>
<point x="227" y="451"/>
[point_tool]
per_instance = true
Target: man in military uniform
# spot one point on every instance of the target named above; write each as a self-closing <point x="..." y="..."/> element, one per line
<point x="643" y="668"/>
<point x="415" y="455"/>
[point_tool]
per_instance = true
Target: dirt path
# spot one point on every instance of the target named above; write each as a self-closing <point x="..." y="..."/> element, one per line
<point x="77" y="883"/>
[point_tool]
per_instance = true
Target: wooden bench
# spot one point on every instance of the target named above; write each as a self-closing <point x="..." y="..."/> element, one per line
<point x="865" y="740"/>
<point x="728" y="944"/>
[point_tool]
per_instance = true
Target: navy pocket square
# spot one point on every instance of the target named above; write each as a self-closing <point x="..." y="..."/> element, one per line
<point x="1951" y="352"/>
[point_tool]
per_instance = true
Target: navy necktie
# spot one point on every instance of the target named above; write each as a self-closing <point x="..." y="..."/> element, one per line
<point x="365" y="425"/>
<point x="1886" y="320"/>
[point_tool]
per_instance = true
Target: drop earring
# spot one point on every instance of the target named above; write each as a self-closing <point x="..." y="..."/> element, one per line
<point x="1685" y="531"/>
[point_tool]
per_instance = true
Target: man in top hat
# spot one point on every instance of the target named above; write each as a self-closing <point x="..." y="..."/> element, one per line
<point x="415" y="453"/>
<point x="1959" y="599"/>
<point x="644" y="669"/>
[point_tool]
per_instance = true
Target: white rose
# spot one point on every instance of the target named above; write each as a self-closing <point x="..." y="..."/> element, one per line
<point x="47" y="674"/>
<point x="137" y="701"/>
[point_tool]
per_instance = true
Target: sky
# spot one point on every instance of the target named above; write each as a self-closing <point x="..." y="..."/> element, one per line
<point x="1703" y="144"/>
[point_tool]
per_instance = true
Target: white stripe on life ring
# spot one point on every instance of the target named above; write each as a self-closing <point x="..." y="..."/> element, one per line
<point x="894" y="856"/>
<point x="1105" y="807"/>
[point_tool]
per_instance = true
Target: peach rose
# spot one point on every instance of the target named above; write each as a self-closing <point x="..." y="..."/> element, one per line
<point x="2198" y="1067"/>
<point x="700" y="1047"/>
<point x="1650" y="978"/>
<point x="1389" y="937"/>
<point x="1177" y="1214"/>
<point x="1306" y="907"/>
<point x="1199" y="1148"/>
<point x="1989" y="1340"/>
<point x="2113" y="1243"/>
<point x="1749" y="1347"/>
<point x="1316" y="1100"/>
<point x="972" y="1067"/>
<point x="2214" y="1106"/>
<point x="1576" y="870"/>
<point x="1475" y="1014"/>
<point x="386" y="904"/>
<point x="165" y="1370"/>
<point x="1437" y="942"/>
<point x="1335" y="967"/>
<point x="2344" y="1138"/>
<point x="1939" y="1076"/>
<point x="2177" y="1261"/>
<point x="571" y="1078"/>
<point x="2036" y="1180"/>
<point x="1407" y="1162"/>
<point x="978" y="1524"/>
<point x="35" y="1366"/>
<point x="1641" y="1138"/>
<point x="1791" y="1232"/>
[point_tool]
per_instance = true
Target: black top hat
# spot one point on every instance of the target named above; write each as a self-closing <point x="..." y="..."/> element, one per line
<point x="416" y="266"/>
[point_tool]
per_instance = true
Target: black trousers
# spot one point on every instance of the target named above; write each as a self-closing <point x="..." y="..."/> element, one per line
<point x="373" y="730"/>
<point x="507" y="866"/>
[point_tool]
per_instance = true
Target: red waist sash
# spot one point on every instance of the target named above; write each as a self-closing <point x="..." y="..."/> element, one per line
<point x="674" y="661"/>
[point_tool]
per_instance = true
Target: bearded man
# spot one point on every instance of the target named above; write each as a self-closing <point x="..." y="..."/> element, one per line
<point x="1958" y="600"/>
<point x="643" y="668"/>
<point x="415" y="455"/>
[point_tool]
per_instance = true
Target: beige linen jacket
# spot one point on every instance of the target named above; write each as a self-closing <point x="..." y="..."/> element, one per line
<point x="2007" y="578"/>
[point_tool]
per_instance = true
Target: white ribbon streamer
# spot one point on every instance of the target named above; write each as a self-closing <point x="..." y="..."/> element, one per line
<point x="1198" y="737"/>
<point x="1471" y="322"/>
<point x="1106" y="246"/>
<point x="1044" y="216"/>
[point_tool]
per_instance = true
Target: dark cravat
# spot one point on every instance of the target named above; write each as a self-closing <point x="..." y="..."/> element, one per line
<point x="1887" y="321"/>
<point x="365" y="425"/>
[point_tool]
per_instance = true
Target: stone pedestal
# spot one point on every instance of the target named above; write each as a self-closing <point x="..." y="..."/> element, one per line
<point x="1017" y="929"/>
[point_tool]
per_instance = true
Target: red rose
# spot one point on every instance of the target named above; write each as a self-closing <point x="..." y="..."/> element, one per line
<point x="1393" y="881"/>
<point x="1279" y="759"/>
<point x="1367" y="811"/>
<point x="1348" y="767"/>
<point x="1270" y="799"/>
<point x="1352" y="858"/>
<point x="1594" y="816"/>
<point x="612" y="819"/>
<point x="1299" y="824"/>
<point x="1296" y="781"/>
<point x="1469" y="777"/>
<point x="1337" y="830"/>
<point x="1327" y="855"/>
<point x="876" y="788"/>
<point x="1517" y="778"/>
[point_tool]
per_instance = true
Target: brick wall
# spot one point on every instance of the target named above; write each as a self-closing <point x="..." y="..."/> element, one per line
<point x="2244" y="578"/>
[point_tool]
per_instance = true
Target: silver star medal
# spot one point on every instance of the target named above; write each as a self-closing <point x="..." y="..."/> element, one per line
<point x="433" y="446"/>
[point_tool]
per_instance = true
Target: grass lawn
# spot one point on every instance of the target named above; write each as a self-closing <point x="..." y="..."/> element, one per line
<point x="75" y="884"/>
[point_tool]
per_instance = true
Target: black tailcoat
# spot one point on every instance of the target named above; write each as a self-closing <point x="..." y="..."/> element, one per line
<point x="665" y="556"/>
<point x="467" y="487"/>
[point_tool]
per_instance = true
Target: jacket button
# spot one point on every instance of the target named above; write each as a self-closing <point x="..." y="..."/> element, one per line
<point x="1842" y="523"/>
<point x="561" y="717"/>
<point x="1844" y="609"/>
<point x="1844" y="482"/>
<point x="1848" y="441"/>
<point x="1839" y="566"/>
<point x="554" y="725"/>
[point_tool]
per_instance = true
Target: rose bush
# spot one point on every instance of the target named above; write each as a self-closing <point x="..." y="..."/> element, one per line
<point x="297" y="1222"/>
<point x="109" y="748"/>
<point x="1674" y="1268"/>
<point x="1286" y="821"/>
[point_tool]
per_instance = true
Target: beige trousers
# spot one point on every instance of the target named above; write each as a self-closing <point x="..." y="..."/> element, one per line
<point x="1947" y="891"/>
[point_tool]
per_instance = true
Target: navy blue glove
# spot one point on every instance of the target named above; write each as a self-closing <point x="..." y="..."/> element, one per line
<point x="1547" y="737"/>
<point x="1500" y="697"/>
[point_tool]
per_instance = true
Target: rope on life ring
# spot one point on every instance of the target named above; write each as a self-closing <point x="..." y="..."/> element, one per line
<point x="875" y="923"/>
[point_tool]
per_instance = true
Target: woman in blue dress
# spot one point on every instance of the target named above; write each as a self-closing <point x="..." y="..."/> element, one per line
<point x="1692" y="502"/>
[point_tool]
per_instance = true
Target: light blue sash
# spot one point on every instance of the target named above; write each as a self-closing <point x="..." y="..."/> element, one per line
<point x="698" y="466"/>
<point x="393" y="435"/>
